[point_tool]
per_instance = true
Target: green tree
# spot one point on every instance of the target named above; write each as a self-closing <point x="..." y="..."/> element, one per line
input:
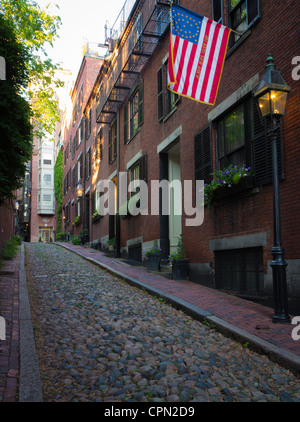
<point x="34" y="29"/>
<point x="15" y="114"/>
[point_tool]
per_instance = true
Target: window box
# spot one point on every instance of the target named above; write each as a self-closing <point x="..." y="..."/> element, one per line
<point x="96" y="218"/>
<point x="245" y="183"/>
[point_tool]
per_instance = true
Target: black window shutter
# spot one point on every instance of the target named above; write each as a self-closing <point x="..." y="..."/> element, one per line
<point x="262" y="150"/>
<point x="160" y="93"/>
<point x="143" y="168"/>
<point x="125" y="123"/>
<point x="203" y="155"/>
<point x="109" y="146"/>
<point x="253" y="11"/>
<point x="217" y="10"/>
<point x="141" y="103"/>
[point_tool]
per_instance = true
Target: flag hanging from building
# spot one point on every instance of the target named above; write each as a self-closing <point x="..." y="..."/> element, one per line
<point x="197" y="52"/>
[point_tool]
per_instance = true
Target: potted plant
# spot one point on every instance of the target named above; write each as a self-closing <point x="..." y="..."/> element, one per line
<point x="229" y="181"/>
<point x="179" y="262"/>
<point x="152" y="258"/>
<point x="84" y="236"/>
<point x="111" y="243"/>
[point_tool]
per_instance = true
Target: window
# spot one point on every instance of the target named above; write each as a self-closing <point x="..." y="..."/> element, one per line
<point x="234" y="136"/>
<point x="99" y="147"/>
<point x="112" y="147"/>
<point x="242" y="14"/>
<point x="167" y="100"/>
<point x="138" y="172"/>
<point x="241" y="138"/>
<point x="133" y="114"/>
<point x="47" y="162"/>
<point x="74" y="177"/>
<point x="88" y="163"/>
<point x="47" y="179"/>
<point x="80" y="168"/>
<point x="67" y="153"/>
<point x="73" y="147"/>
<point x="46" y="198"/>
<point x="240" y="270"/>
<point x="88" y="124"/>
<point x="80" y="132"/>
<point x="134" y="176"/>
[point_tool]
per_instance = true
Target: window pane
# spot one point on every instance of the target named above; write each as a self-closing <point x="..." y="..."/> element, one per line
<point x="234" y="3"/>
<point x="234" y="129"/>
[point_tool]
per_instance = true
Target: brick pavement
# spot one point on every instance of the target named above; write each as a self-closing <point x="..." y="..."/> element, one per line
<point x="9" y="348"/>
<point x="252" y="318"/>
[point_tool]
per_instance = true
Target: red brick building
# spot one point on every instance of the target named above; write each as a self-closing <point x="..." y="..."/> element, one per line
<point x="135" y="125"/>
<point x="77" y="148"/>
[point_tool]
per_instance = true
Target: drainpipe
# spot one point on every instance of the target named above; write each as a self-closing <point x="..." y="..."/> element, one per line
<point x="118" y="234"/>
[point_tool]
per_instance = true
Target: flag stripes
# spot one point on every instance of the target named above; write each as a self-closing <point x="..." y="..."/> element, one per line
<point x="197" y="52"/>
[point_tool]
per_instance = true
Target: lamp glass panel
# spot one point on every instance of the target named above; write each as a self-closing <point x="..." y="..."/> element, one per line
<point x="264" y="104"/>
<point x="278" y="100"/>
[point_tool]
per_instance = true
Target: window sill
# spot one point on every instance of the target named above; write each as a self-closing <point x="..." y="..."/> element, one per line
<point x="133" y="136"/>
<point x="169" y="114"/>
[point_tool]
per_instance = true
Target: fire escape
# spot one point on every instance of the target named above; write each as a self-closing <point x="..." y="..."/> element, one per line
<point x="132" y="50"/>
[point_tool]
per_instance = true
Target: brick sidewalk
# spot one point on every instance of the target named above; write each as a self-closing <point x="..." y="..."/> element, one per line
<point x="10" y="347"/>
<point x="251" y="317"/>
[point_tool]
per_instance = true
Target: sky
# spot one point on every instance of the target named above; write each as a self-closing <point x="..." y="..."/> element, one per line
<point x="82" y="20"/>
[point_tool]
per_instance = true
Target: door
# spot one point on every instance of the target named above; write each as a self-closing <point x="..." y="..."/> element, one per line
<point x="175" y="198"/>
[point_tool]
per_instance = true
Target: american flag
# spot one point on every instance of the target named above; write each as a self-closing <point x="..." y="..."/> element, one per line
<point x="197" y="52"/>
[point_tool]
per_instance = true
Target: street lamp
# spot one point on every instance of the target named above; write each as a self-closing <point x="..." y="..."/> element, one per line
<point x="79" y="191"/>
<point x="272" y="95"/>
<point x="80" y="196"/>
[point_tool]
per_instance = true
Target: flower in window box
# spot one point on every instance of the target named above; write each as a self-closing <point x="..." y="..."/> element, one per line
<point x="226" y="178"/>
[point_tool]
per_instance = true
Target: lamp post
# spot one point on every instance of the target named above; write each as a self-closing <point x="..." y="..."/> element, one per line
<point x="80" y="196"/>
<point x="272" y="95"/>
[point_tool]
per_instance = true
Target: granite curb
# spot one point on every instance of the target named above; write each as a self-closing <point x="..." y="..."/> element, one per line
<point x="30" y="389"/>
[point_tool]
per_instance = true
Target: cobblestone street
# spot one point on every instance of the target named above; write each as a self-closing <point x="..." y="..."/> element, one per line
<point x="100" y="339"/>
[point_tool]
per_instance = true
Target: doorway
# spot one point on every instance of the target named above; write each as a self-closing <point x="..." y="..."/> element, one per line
<point x="46" y="234"/>
<point x="175" y="197"/>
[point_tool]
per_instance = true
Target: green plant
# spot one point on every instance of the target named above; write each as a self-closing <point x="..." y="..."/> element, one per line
<point x="75" y="240"/>
<point x="154" y="250"/>
<point x="95" y="213"/>
<point x="17" y="239"/>
<point x="83" y="232"/>
<point x="111" y="242"/>
<point x="77" y="219"/>
<point x="227" y="177"/>
<point x="9" y="251"/>
<point x="179" y="254"/>
<point x="60" y="235"/>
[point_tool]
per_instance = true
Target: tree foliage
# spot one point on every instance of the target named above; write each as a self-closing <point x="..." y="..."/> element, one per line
<point x="15" y="126"/>
<point x="34" y="29"/>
